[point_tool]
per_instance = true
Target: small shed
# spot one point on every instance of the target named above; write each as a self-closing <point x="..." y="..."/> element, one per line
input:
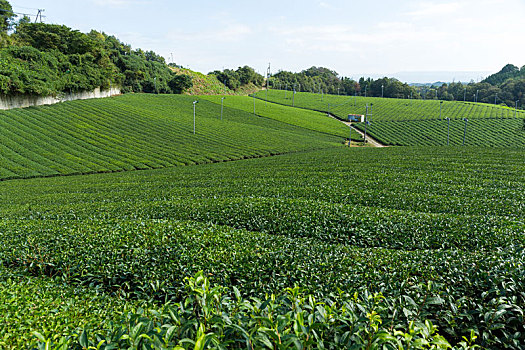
<point x="356" y="118"/>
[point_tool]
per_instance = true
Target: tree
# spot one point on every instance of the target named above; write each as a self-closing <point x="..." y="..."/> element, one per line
<point x="6" y="15"/>
<point x="179" y="83"/>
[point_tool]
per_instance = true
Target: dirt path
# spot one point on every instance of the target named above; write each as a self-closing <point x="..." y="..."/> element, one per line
<point x="371" y="141"/>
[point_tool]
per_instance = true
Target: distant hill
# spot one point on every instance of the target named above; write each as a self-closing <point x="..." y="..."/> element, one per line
<point x="510" y="71"/>
<point x="210" y="84"/>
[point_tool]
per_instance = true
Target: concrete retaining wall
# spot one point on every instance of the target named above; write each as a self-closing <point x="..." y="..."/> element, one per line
<point x="21" y="101"/>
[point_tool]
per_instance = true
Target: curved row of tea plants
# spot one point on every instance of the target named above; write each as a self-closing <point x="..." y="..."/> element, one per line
<point x="478" y="132"/>
<point x="44" y="314"/>
<point x="387" y="220"/>
<point x="307" y="119"/>
<point x="138" y="132"/>
<point x="390" y="108"/>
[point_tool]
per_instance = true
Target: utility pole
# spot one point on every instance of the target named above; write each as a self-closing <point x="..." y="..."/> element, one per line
<point x="477" y="91"/>
<point x="440" y="108"/>
<point x="39" y="14"/>
<point x="496" y="98"/>
<point x="382" y="88"/>
<point x="293" y="97"/>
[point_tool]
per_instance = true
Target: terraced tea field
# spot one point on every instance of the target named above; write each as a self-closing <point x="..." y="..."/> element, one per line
<point x="311" y="120"/>
<point x="391" y="108"/>
<point x="401" y="122"/>
<point x="479" y="132"/>
<point x="438" y="231"/>
<point x="141" y="132"/>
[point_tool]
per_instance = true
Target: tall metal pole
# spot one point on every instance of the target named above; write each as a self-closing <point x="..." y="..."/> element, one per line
<point x="366" y="114"/>
<point x="222" y="102"/>
<point x="465" y="132"/>
<point x="448" y="130"/>
<point x="194" y="103"/>
<point x="440" y="107"/>
<point x="477" y="91"/>
<point x="293" y="98"/>
<point x="382" y="88"/>
<point x="495" y="98"/>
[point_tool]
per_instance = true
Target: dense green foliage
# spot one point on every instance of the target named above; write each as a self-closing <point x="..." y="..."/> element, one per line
<point x="140" y="132"/>
<point x="218" y="318"/>
<point x="234" y="79"/>
<point x="510" y="71"/>
<point x="6" y="15"/>
<point x="438" y="231"/>
<point x="47" y="59"/>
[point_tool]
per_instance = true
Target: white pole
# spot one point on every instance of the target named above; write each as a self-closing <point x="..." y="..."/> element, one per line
<point x="222" y="102"/>
<point x="194" y="102"/>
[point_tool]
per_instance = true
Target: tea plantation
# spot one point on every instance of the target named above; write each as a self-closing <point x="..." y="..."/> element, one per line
<point x="371" y="248"/>
<point x="404" y="122"/>
<point x="390" y="108"/>
<point x="147" y="131"/>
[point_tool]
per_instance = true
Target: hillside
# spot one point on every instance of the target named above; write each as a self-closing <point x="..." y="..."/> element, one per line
<point x="141" y="131"/>
<point x="510" y="71"/>
<point x="402" y="122"/>
<point x="203" y="84"/>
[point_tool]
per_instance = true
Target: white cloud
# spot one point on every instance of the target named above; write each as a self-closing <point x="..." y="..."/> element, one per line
<point x="119" y="3"/>
<point x="432" y="9"/>
<point x="231" y="32"/>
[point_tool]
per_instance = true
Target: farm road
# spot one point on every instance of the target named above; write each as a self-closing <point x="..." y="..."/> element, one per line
<point x="373" y="142"/>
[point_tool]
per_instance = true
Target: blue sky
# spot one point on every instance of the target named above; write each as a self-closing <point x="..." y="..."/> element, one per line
<point x="379" y="37"/>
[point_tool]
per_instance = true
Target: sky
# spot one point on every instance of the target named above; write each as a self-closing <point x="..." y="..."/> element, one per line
<point x="415" y="41"/>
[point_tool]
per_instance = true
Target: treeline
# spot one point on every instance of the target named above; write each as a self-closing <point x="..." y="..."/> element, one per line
<point x="47" y="59"/>
<point x="234" y="79"/>
<point x="324" y="80"/>
<point x="505" y="87"/>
